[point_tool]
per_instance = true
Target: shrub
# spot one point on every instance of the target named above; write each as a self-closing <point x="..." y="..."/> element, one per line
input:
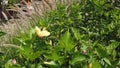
<point x="82" y="35"/>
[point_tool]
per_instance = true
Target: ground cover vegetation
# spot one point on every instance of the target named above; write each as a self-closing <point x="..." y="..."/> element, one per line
<point x="85" y="34"/>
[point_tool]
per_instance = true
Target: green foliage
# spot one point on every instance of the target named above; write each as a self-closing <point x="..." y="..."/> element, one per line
<point x="2" y="33"/>
<point x="11" y="3"/>
<point x="66" y="42"/>
<point x="96" y="65"/>
<point x="82" y="35"/>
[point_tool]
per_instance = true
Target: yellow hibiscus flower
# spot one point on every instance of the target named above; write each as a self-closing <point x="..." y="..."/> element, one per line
<point x="41" y="33"/>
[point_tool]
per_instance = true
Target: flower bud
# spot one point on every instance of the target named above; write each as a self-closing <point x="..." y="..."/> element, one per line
<point x="14" y="61"/>
<point x="84" y="52"/>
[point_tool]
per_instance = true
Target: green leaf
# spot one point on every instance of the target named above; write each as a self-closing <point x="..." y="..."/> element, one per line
<point x="32" y="65"/>
<point x="77" y="58"/>
<point x="9" y="64"/>
<point x="36" y="55"/>
<point x="118" y="32"/>
<point x="119" y="62"/>
<point x="96" y="2"/>
<point x="2" y="33"/>
<point x="96" y="65"/>
<point x="39" y="65"/>
<point x="99" y="2"/>
<point x="51" y="64"/>
<point x="80" y="16"/>
<point x="102" y="2"/>
<point x="107" y="61"/>
<point x="76" y="33"/>
<point x="54" y="56"/>
<point x="101" y="51"/>
<point x="85" y="29"/>
<point x="28" y="53"/>
<point x="112" y="46"/>
<point x="66" y="41"/>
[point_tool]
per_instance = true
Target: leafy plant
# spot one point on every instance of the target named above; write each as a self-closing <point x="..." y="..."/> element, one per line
<point x="82" y="35"/>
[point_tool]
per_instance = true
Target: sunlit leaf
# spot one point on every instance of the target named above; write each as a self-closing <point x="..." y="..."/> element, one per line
<point x="101" y="52"/>
<point x="39" y="66"/>
<point x="96" y="65"/>
<point x="66" y="41"/>
<point x="112" y="46"/>
<point x="51" y="64"/>
<point x="76" y="33"/>
<point x="54" y="56"/>
<point x="99" y="2"/>
<point x="107" y="61"/>
<point x="77" y="58"/>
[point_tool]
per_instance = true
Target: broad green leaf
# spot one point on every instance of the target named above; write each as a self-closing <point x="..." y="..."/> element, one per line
<point x="28" y="53"/>
<point x="102" y="2"/>
<point x="19" y="41"/>
<point x="112" y="46"/>
<point x="101" y="51"/>
<point x="96" y="65"/>
<point x="32" y="65"/>
<point x="54" y="56"/>
<point x="36" y="55"/>
<point x="119" y="62"/>
<point x="76" y="33"/>
<point x="80" y="16"/>
<point x="114" y="53"/>
<point x="77" y="58"/>
<point x="2" y="33"/>
<point x="99" y="2"/>
<point x="107" y="61"/>
<point x="85" y="29"/>
<point x="66" y="41"/>
<point x="39" y="66"/>
<point x="96" y="2"/>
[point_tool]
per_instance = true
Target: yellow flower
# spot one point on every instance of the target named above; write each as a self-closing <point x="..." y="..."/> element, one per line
<point x="50" y="42"/>
<point x="49" y="63"/>
<point x="90" y="65"/>
<point x="42" y="33"/>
